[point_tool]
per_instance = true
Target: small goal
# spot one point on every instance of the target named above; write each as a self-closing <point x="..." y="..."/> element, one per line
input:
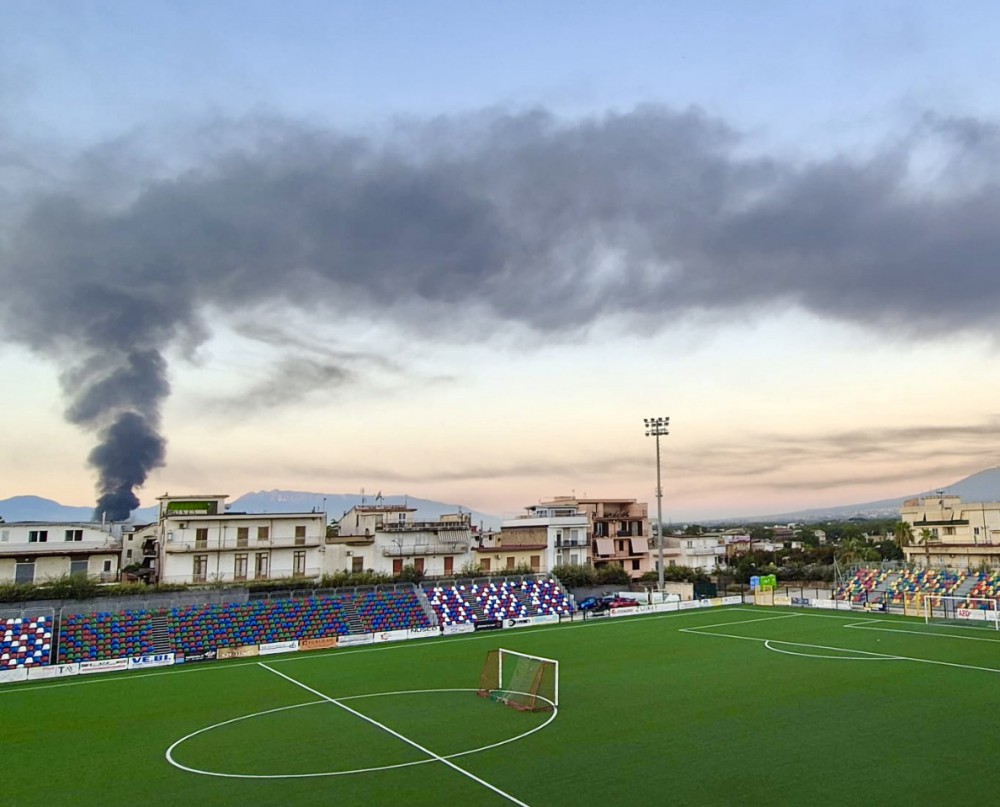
<point x="519" y="680"/>
<point x="972" y="612"/>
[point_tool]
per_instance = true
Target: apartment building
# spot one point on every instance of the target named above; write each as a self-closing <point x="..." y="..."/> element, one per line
<point x="36" y="551"/>
<point x="949" y="532"/>
<point x="542" y="537"/>
<point x="196" y="539"/>
<point x="386" y="537"/>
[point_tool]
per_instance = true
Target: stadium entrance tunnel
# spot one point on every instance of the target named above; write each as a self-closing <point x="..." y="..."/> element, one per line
<point x="352" y="735"/>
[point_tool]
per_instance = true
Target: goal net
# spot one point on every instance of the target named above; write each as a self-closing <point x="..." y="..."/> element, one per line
<point x="973" y="612"/>
<point x="521" y="681"/>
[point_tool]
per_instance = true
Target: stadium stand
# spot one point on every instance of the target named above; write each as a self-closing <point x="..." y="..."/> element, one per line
<point x="391" y="610"/>
<point x="490" y="599"/>
<point x="101" y="635"/>
<point x="25" y="641"/>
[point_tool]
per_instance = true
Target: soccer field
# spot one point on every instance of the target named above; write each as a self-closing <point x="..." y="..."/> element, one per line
<point x="710" y="706"/>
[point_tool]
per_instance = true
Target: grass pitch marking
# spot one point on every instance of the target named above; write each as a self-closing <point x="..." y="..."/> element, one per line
<point x="398" y="736"/>
<point x="703" y="631"/>
<point x="317" y="774"/>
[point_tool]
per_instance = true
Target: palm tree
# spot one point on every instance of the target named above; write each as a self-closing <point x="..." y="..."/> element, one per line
<point x="902" y="533"/>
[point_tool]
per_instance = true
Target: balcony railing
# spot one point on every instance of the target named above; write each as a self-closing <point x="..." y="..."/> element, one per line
<point x="571" y="542"/>
<point x="424" y="526"/>
<point x="424" y="549"/>
<point x="234" y="544"/>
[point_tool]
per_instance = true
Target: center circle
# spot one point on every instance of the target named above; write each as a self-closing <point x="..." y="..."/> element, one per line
<point x="170" y="752"/>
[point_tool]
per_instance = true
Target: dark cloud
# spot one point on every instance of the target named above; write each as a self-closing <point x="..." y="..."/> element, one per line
<point x="551" y="224"/>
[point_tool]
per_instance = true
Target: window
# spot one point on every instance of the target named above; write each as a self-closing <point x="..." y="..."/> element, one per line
<point x="263" y="533"/>
<point x="536" y="563"/>
<point x="200" y="571"/>
<point x="358" y="564"/>
<point x="635" y="565"/>
<point x="242" y="538"/>
<point x="38" y="536"/>
<point x="485" y="564"/>
<point x="128" y="554"/>
<point x="201" y="538"/>
<point x="690" y="544"/>
<point x="73" y="535"/>
<point x="78" y="568"/>
<point x="449" y="565"/>
<point x="240" y="567"/>
<point x="260" y="566"/>
<point x="299" y="563"/>
<point x="107" y="566"/>
<point x="418" y="564"/>
<point x="397" y="565"/>
<point x="24" y="572"/>
<point x="4" y="536"/>
<point x="510" y="561"/>
<point x="300" y="535"/>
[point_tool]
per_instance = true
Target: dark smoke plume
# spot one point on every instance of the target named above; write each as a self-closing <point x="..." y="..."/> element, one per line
<point x="647" y="216"/>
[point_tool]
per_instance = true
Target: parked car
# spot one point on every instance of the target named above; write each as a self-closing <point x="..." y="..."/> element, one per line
<point x="589" y="604"/>
<point x="619" y="602"/>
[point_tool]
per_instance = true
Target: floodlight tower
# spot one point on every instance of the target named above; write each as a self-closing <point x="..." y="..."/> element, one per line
<point x="657" y="427"/>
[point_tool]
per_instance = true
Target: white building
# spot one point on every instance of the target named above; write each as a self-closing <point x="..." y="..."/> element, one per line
<point x="704" y="552"/>
<point x="36" y="551"/>
<point x="386" y="537"/>
<point x="197" y="540"/>
<point x="548" y="535"/>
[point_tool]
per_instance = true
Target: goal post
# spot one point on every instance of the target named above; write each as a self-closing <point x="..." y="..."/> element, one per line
<point x="973" y="612"/>
<point x="519" y="680"/>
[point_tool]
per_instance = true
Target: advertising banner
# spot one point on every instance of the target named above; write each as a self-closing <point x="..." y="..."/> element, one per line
<point x="659" y="607"/>
<point x="13" y="676"/>
<point x="802" y="602"/>
<point x="326" y="643"/>
<point x="517" y="622"/>
<point x="423" y="633"/>
<point x="270" y="648"/>
<point x="782" y="600"/>
<point x="243" y="651"/>
<point x="103" y="665"/>
<point x="684" y="606"/>
<point x="489" y="624"/>
<point x="194" y="658"/>
<point x="152" y="660"/>
<point x="735" y="599"/>
<point x="355" y="639"/>
<point x="54" y="671"/>
<point x="461" y="627"/>
<point x="544" y="619"/>
<point x="389" y="636"/>
<point x="629" y="610"/>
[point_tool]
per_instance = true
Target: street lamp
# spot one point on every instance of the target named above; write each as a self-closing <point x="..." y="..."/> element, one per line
<point x="657" y="427"/>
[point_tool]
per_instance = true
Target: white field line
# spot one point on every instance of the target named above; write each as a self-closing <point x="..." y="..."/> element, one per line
<point x="766" y="642"/>
<point x="866" y="625"/>
<point x="397" y="735"/>
<point x="293" y="657"/>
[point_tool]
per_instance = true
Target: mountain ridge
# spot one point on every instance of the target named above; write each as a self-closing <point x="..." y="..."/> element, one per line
<point x="981" y="486"/>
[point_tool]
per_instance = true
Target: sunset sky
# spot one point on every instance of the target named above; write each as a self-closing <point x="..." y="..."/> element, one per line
<point x="460" y="250"/>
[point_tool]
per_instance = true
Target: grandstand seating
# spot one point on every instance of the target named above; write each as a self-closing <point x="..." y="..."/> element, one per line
<point x="860" y="587"/>
<point x="25" y="641"/>
<point x="986" y="585"/>
<point x="205" y="627"/>
<point x="102" y="635"/>
<point x="470" y="602"/>
<point x="391" y="610"/>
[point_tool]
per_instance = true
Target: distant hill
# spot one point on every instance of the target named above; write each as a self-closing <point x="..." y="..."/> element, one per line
<point x="980" y="487"/>
<point x="336" y="504"/>
<point x="35" y="508"/>
<point x="983" y="486"/>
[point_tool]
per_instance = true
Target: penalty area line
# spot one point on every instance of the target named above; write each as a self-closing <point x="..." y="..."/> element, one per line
<point x="397" y="735"/>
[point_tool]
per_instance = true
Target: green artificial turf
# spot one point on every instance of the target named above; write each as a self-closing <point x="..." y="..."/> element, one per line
<point x="711" y="706"/>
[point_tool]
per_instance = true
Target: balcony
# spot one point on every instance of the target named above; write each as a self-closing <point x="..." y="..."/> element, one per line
<point x="411" y="550"/>
<point x="235" y="544"/>
<point x="571" y="542"/>
<point x="425" y="526"/>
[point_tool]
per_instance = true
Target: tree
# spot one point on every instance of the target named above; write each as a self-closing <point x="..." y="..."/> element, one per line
<point x="902" y="533"/>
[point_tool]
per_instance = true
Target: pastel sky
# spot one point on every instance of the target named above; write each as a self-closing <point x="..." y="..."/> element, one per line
<point x="460" y="250"/>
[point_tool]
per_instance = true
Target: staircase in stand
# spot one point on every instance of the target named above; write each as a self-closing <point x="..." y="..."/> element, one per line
<point x="162" y="634"/>
<point x="353" y="619"/>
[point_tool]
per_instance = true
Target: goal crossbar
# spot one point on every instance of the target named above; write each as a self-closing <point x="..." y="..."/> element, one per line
<point x="520" y="680"/>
